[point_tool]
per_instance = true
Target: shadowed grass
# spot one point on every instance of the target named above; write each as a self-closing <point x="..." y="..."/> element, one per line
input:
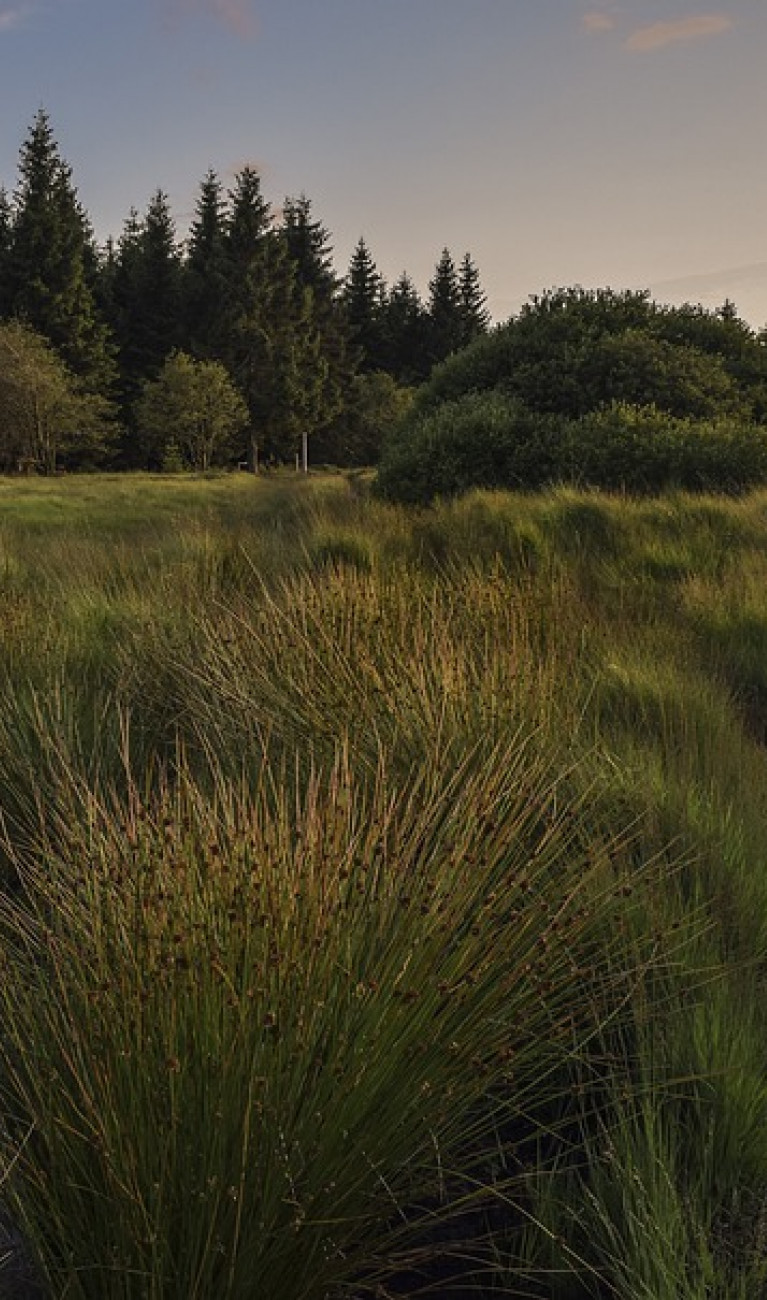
<point x="244" y="1032"/>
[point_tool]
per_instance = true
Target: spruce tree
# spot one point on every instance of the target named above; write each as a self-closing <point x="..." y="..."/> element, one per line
<point x="246" y="318"/>
<point x="145" y="293"/>
<point x="363" y="296"/>
<point x="49" y="285"/>
<point x="308" y="244"/>
<point x="333" y="351"/>
<point x="445" y="309"/>
<point x="404" y="327"/>
<point x="158" y="284"/>
<point x="204" y="278"/>
<point x="250" y="219"/>
<point x="141" y="285"/>
<point x="118" y="289"/>
<point x="270" y="343"/>
<point x="474" y="313"/>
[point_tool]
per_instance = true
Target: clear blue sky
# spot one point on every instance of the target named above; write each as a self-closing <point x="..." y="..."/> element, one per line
<point x="559" y="141"/>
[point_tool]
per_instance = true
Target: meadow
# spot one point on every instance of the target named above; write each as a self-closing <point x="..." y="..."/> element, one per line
<point x="383" y="892"/>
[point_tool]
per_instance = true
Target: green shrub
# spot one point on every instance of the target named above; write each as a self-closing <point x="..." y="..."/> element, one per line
<point x="642" y="449"/>
<point x="485" y="440"/>
<point x="488" y="440"/>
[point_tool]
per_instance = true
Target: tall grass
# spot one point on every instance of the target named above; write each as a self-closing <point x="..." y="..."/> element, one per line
<point x="358" y="863"/>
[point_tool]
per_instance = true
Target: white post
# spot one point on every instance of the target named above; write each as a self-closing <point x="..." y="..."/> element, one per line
<point x="305" y="452"/>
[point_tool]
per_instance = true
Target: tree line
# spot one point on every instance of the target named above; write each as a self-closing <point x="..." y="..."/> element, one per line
<point x="227" y="346"/>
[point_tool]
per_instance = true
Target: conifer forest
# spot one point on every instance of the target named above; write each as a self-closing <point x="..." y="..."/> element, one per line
<point x="250" y="296"/>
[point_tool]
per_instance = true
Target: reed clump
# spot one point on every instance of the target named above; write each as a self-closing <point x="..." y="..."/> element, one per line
<point x="384" y="901"/>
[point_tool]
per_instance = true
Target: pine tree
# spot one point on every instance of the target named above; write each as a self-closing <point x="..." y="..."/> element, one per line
<point x="159" y="284"/>
<point x="333" y="353"/>
<point x="445" y="310"/>
<point x="250" y="219"/>
<point x="476" y="317"/>
<point x="205" y="279"/>
<point x="145" y="293"/>
<point x="363" y="296"/>
<point x="404" y="328"/>
<point x="271" y="343"/>
<point x="308" y="244"/>
<point x="50" y="260"/>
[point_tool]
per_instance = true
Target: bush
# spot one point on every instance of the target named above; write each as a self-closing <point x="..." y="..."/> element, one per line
<point x="641" y="449"/>
<point x="489" y="440"/>
<point x="483" y="440"/>
<point x="572" y="351"/>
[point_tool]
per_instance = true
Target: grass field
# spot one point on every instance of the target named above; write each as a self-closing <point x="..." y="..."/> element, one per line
<point x="384" y="893"/>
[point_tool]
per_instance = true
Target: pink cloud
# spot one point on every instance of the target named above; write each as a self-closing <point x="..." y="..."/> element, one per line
<point x="596" y="22"/>
<point x="694" y="28"/>
<point x="236" y="14"/>
<point x="11" y="18"/>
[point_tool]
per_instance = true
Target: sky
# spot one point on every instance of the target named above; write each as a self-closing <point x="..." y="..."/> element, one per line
<point x="595" y="142"/>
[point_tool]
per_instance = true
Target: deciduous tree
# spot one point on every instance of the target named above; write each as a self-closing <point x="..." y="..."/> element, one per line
<point x="45" y="416"/>
<point x="194" y="407"/>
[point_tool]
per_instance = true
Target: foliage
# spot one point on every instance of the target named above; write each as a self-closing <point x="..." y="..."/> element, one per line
<point x="630" y="395"/>
<point x="376" y="406"/>
<point x="257" y="294"/>
<point x="637" y="369"/>
<point x="491" y="440"/>
<point x="482" y="440"/>
<point x="641" y="449"/>
<point x="46" y="270"/>
<point x="571" y="351"/>
<point x="446" y="827"/>
<point x="363" y="296"/>
<point x="194" y="406"/>
<point x="46" y="420"/>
